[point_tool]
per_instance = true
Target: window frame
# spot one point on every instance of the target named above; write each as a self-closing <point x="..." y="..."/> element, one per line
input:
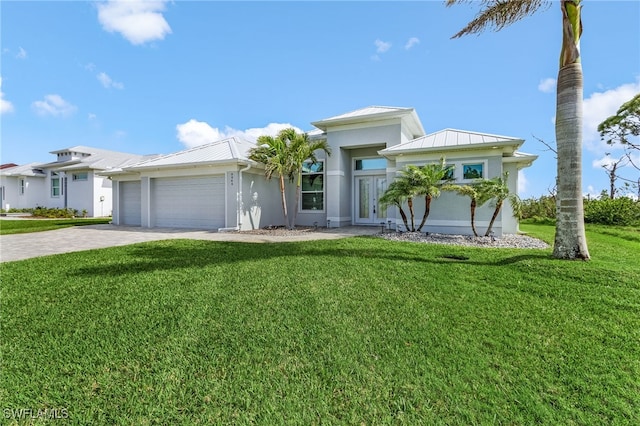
<point x="80" y="177"/>
<point x="22" y="186"/>
<point x="483" y="172"/>
<point x="323" y="173"/>
<point x="55" y="177"/>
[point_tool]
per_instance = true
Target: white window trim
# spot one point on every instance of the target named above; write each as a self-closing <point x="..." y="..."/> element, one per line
<point x="324" y="190"/>
<point x="56" y="175"/>
<point x="86" y="177"/>
<point x="368" y="171"/>
<point x="485" y="165"/>
<point x="22" y="186"/>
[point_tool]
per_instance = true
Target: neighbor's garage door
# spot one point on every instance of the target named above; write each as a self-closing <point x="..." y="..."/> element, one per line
<point x="130" y="202"/>
<point x="188" y="202"/>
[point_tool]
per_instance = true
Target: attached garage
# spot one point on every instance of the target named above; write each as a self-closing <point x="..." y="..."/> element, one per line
<point x="196" y="202"/>
<point x="198" y="188"/>
<point x="130" y="203"/>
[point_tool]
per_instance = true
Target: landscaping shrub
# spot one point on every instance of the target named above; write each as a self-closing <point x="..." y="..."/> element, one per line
<point x="618" y="211"/>
<point x="543" y="207"/>
<point x="54" y="213"/>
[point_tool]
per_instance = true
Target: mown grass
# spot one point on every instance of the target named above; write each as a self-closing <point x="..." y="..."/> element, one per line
<point x="354" y="331"/>
<point x="9" y="226"/>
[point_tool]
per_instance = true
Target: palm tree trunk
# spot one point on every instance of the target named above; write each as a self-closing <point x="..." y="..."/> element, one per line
<point x="403" y="215"/>
<point x="570" y="239"/>
<point x="410" y="203"/>
<point x="427" y="210"/>
<point x="493" y="218"/>
<point x="298" y="190"/>
<point x="473" y="217"/>
<point x="284" y="201"/>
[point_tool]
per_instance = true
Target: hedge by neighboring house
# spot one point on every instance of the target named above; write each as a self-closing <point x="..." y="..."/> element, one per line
<point x="71" y="181"/>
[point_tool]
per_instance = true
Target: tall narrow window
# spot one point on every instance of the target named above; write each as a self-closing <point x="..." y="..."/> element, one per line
<point x="21" y="186"/>
<point x="55" y="184"/>
<point x="312" y="191"/>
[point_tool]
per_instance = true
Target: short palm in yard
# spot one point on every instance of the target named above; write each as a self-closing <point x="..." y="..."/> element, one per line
<point x="354" y="331"/>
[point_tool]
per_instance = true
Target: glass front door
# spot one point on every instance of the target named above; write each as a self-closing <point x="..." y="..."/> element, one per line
<point x="368" y="190"/>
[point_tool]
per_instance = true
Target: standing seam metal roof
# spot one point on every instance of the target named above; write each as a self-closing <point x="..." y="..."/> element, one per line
<point x="451" y="138"/>
<point x="228" y="149"/>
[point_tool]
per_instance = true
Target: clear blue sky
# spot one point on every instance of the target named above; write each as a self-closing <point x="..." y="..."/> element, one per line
<point x="159" y="77"/>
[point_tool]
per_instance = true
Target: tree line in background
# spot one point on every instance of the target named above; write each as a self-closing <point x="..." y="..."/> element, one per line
<point x="620" y="211"/>
<point x="616" y="205"/>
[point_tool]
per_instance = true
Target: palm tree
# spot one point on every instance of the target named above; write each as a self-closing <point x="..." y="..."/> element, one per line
<point x="498" y="190"/>
<point x="476" y="194"/>
<point x="302" y="150"/>
<point x="570" y="240"/>
<point x="395" y="195"/>
<point x="274" y="153"/>
<point x="432" y="178"/>
<point x="410" y="179"/>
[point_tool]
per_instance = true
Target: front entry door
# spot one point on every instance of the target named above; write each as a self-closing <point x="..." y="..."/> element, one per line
<point x="368" y="190"/>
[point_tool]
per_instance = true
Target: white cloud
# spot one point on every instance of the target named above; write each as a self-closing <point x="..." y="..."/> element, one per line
<point x="605" y="161"/>
<point x="548" y="85"/>
<point x="92" y="116"/>
<point x="53" y="105"/>
<point x="601" y="105"/>
<point x="382" y="46"/>
<point x="523" y="183"/>
<point x="411" y="42"/>
<point x="138" y="21"/>
<point x="194" y="132"/>
<point x="108" y="83"/>
<point x="22" y="54"/>
<point x="5" y="105"/>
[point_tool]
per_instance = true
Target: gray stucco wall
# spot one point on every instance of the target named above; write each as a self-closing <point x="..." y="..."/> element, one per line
<point x="347" y="144"/>
<point x="451" y="213"/>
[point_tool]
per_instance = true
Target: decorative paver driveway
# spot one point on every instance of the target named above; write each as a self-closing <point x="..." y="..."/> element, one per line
<point x="79" y="238"/>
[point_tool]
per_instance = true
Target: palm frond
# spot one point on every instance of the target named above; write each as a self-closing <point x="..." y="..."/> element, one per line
<point x="497" y="14"/>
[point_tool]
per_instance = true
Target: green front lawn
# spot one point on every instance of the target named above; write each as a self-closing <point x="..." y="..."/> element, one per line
<point x="353" y="331"/>
<point x="21" y="226"/>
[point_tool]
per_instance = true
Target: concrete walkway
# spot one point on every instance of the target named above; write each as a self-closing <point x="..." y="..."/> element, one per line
<point x="79" y="238"/>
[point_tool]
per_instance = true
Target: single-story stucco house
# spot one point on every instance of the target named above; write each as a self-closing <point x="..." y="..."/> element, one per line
<point x="71" y="181"/>
<point x="215" y="186"/>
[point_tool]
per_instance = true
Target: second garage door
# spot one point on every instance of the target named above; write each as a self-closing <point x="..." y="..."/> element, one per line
<point x="129" y="207"/>
<point x="188" y="202"/>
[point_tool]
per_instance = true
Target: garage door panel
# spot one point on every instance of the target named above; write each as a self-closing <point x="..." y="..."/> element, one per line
<point x="188" y="202"/>
<point x="130" y="203"/>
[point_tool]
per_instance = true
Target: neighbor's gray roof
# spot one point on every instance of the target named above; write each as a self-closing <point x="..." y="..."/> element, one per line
<point x="228" y="150"/>
<point x="31" y="169"/>
<point x="374" y="113"/>
<point x="98" y="159"/>
<point x="452" y="139"/>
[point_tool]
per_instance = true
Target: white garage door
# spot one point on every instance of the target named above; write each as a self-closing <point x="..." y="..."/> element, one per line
<point x="130" y="202"/>
<point x="188" y="202"/>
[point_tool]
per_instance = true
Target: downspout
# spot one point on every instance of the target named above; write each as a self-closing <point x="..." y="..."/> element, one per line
<point x="238" y="226"/>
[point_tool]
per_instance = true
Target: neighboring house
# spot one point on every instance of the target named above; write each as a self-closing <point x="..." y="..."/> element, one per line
<point x="22" y="187"/>
<point x="72" y="181"/>
<point x="215" y="186"/>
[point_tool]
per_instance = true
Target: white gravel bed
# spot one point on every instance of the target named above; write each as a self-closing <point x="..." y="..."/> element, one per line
<point x="506" y="241"/>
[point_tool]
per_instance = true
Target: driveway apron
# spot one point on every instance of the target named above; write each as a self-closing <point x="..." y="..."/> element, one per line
<point x="79" y="238"/>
